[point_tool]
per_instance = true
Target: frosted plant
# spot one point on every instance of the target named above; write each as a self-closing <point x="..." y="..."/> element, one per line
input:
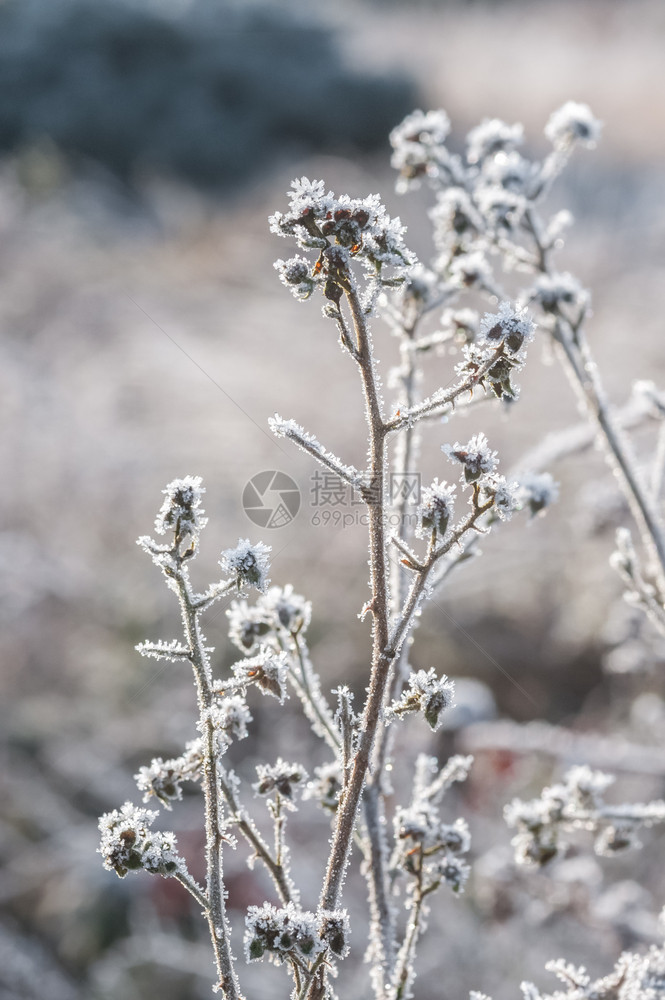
<point x="577" y="804"/>
<point x="353" y="255"/>
<point x="635" y="977"/>
<point x="489" y="227"/>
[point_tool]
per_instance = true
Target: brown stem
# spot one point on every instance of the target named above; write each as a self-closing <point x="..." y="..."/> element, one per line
<point x="374" y="496"/>
<point x="440" y="399"/>
<point x="382" y="916"/>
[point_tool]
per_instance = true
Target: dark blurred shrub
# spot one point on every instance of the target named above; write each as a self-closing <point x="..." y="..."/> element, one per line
<point x="211" y="96"/>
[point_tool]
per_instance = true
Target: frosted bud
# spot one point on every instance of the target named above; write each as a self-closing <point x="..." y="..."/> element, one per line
<point x="181" y="510"/>
<point x="248" y="563"/>
<point x="437" y="506"/>
<point x="537" y="490"/>
<point x="279" y="777"/>
<point x="573" y="123"/>
<point x="334" y="930"/>
<point x="476" y="457"/>
<point x="295" y="273"/>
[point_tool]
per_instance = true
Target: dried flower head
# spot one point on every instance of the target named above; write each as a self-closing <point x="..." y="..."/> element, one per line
<point x="572" y="123"/>
<point x="248" y="563"/>
<point x="181" y="511"/>
<point x="437" y="505"/>
<point x="268" y="670"/>
<point x="419" y="146"/>
<point x="281" y="778"/>
<point x="128" y="844"/>
<point x="280" y="933"/>
<point x="425" y="693"/>
<point x="475" y="457"/>
<point x="537" y="491"/>
<point x="490" y="137"/>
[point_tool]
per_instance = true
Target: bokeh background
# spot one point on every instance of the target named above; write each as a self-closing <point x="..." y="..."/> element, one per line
<point x="145" y="336"/>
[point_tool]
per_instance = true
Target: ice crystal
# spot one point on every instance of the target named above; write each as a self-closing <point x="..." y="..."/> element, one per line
<point x="342" y="229"/>
<point x="498" y="350"/>
<point x="288" y="610"/>
<point x="470" y="269"/>
<point x="295" y="273"/>
<point x="511" y="326"/>
<point x="634" y="977"/>
<point x="501" y="207"/>
<point x="506" y="496"/>
<point x="510" y="171"/>
<point x="326" y="786"/>
<point x="426" y="848"/>
<point x="163" y="650"/>
<point x="453" y="216"/>
<point x="335" y="931"/>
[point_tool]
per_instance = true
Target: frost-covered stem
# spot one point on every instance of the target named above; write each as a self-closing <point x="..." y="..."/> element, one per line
<point x="382" y="913"/>
<point x="382" y="934"/>
<point x="216" y="911"/>
<point x="255" y="840"/>
<point x="374" y="497"/>
<point x="404" y="460"/>
<point x="326" y="458"/>
<point x="421" y="581"/>
<point x="404" y="971"/>
<point x="279" y="819"/>
<point x="346" y="722"/>
<point x="650" y="813"/>
<point x="576" y="439"/>
<point x="442" y="399"/>
<point x="582" y="371"/>
<point x="296" y="977"/>
<point x="313" y="985"/>
<point x="190" y="885"/>
<point x="658" y="468"/>
<point x="312" y="694"/>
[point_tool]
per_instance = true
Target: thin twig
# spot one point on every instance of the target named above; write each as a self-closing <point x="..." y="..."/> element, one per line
<point x="582" y="371"/>
<point x="254" y="838"/>
<point x="216" y="911"/>
<point x="442" y="398"/>
<point x="190" y="885"/>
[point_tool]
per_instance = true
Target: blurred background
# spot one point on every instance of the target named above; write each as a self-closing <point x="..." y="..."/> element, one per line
<point x="145" y="336"/>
